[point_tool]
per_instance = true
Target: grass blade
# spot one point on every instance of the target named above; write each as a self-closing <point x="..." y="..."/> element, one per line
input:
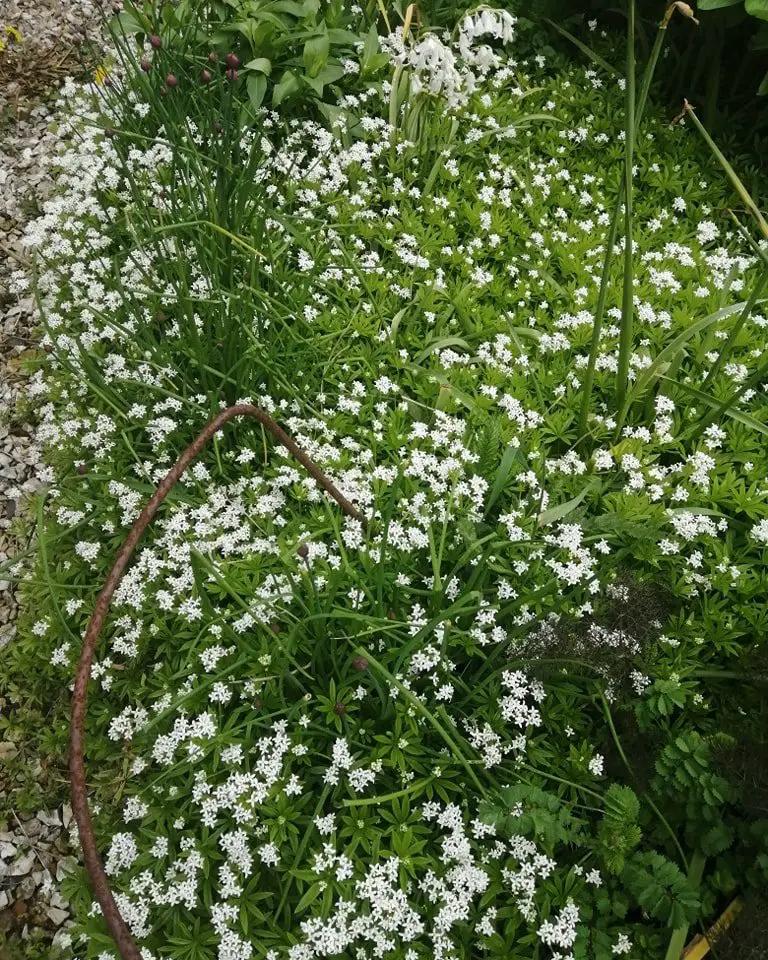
<point x="736" y="330"/>
<point x="512" y="455"/>
<point x="738" y="415"/>
<point x="594" y="57"/>
<point x="758" y="377"/>
<point x="561" y="510"/>
<point x="594" y="347"/>
<point x="671" y="349"/>
<point x="742" y="191"/>
<point x="627" y="299"/>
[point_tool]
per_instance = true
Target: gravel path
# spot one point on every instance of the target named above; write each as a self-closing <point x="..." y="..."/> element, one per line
<point x="33" y="849"/>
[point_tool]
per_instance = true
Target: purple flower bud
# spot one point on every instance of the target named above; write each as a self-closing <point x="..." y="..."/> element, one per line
<point x="145" y="64"/>
<point x="233" y="61"/>
<point x="213" y="57"/>
<point x="231" y="75"/>
<point x="171" y="81"/>
<point x="360" y="664"/>
<point x="155" y="42"/>
<point x="339" y="709"/>
<point x="205" y="76"/>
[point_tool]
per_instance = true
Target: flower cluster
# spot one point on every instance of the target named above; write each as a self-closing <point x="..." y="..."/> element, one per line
<point x="318" y="715"/>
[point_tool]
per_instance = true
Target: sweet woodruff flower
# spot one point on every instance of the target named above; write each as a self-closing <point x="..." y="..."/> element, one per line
<point x="445" y="418"/>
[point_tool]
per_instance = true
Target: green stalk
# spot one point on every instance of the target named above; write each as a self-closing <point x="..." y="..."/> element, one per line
<point x="630" y="770"/>
<point x="742" y="191"/>
<point x="757" y="378"/>
<point x="302" y="848"/>
<point x="428" y="716"/>
<point x="680" y="934"/>
<point x="394" y="101"/>
<point x="386" y="797"/>
<point x="725" y="352"/>
<point x="597" y="328"/>
<point x="627" y="300"/>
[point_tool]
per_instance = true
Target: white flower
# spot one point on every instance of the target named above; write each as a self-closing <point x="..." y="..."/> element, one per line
<point x="759" y="532"/>
<point x="269" y="854"/>
<point x="623" y="945"/>
<point x="706" y="231"/>
<point x="122" y="854"/>
<point x="326" y="825"/>
<point x="562" y="931"/>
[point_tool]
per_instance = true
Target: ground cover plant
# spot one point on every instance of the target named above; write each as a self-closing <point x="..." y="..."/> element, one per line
<point x="514" y="713"/>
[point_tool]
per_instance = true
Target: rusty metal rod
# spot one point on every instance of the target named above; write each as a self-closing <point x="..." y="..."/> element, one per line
<point x="93" y="862"/>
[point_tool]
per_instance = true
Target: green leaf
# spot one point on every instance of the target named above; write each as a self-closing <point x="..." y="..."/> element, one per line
<point x="256" y="85"/>
<point x="487" y="449"/>
<point x="370" y="49"/>
<point x="617" y="526"/>
<point x="328" y="75"/>
<point x="330" y="111"/>
<point x="763" y="88"/>
<point x="262" y="64"/>
<point x="288" y="85"/>
<point x="513" y="459"/>
<point x="377" y="61"/>
<point x="736" y="182"/>
<point x="342" y="38"/>
<point x="446" y="384"/>
<point x="442" y="344"/>
<point x="757" y="8"/>
<point x="300" y="10"/>
<point x="717" y="840"/>
<point x="396" y="323"/>
<point x="198" y="573"/>
<point x="621" y="803"/>
<point x="716" y="4"/>
<point x="561" y="510"/>
<point x="744" y="418"/>
<point x="309" y="897"/>
<point x="664" y="356"/>
<point x="125" y="24"/>
<point x="316" y="51"/>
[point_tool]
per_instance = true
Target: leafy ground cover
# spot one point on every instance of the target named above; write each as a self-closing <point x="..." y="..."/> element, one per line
<point x="517" y="712"/>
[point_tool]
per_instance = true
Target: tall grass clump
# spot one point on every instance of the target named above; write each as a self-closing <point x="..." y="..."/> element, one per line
<point x="494" y="719"/>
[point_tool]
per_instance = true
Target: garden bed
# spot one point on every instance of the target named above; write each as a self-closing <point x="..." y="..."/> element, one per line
<point x="512" y="711"/>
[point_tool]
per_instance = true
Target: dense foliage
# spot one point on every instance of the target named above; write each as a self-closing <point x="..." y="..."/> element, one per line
<point x="515" y="713"/>
<point x="721" y="64"/>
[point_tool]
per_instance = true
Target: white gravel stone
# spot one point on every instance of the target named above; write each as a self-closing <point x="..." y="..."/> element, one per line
<point x="50" y="30"/>
<point x="23" y="865"/>
<point x="7" y="851"/>
<point x="49" y="818"/>
<point x="57" y="916"/>
<point x="64" y="867"/>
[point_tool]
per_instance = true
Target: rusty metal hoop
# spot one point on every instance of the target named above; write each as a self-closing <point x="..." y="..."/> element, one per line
<point x="93" y="862"/>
